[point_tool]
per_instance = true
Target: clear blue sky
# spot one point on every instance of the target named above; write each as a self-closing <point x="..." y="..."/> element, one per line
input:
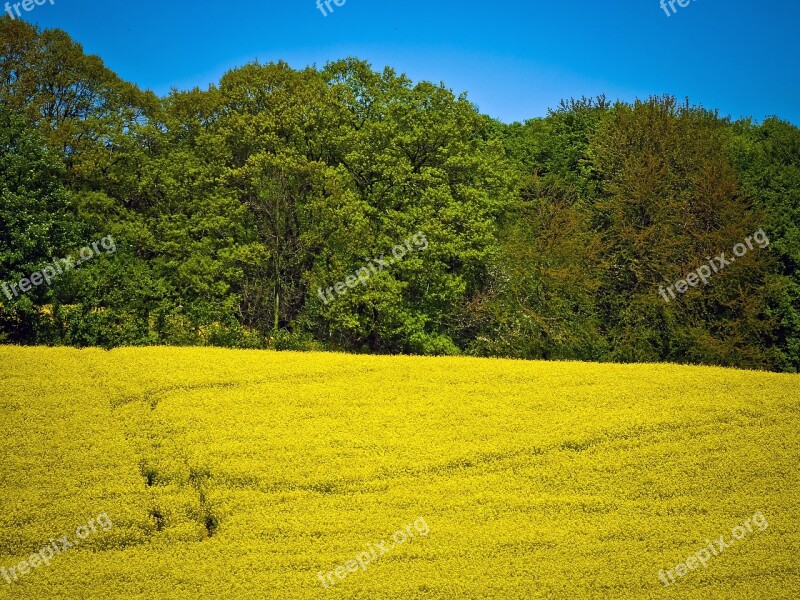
<point x="515" y="59"/>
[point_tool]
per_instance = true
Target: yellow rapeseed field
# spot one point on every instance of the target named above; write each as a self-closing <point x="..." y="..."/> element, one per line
<point x="250" y="474"/>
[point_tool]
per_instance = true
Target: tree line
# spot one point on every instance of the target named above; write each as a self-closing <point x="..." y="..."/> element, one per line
<point x="230" y="207"/>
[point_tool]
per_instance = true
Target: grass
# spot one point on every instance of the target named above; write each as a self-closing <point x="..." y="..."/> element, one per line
<point x="244" y="474"/>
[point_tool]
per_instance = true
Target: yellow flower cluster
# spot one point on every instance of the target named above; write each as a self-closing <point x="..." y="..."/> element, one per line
<point x="244" y="474"/>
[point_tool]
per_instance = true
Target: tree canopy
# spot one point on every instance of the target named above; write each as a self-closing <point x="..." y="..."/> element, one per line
<point x="233" y="208"/>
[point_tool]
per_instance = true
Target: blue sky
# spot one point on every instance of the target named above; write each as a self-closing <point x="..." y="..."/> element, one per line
<point x="515" y="59"/>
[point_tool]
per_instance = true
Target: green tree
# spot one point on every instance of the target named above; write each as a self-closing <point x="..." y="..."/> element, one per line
<point x="768" y="159"/>
<point x="35" y="224"/>
<point x="668" y="198"/>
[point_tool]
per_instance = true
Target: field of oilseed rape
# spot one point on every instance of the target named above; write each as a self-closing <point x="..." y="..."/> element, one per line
<point x="203" y="473"/>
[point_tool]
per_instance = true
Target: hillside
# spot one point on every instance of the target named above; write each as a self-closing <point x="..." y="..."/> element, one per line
<point x="211" y="473"/>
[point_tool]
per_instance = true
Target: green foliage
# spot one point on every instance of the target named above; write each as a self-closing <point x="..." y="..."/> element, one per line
<point x="669" y="197"/>
<point x="234" y="208"/>
<point x="34" y="222"/>
<point x="768" y="158"/>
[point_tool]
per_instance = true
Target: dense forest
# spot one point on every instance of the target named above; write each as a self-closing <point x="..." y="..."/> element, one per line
<point x="232" y="210"/>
